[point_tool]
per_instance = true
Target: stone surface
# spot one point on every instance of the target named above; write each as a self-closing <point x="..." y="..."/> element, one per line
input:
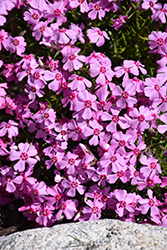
<point x="104" y="234"/>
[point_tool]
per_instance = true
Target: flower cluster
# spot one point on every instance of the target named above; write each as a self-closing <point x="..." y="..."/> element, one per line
<point x="80" y="135"/>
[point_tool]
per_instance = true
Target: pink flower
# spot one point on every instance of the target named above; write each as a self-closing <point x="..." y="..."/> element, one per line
<point x="95" y="129"/>
<point x="24" y="155"/>
<point x="3" y="38"/>
<point x="72" y="184"/>
<point x="71" y="59"/>
<point x="81" y="3"/>
<point x="68" y="208"/>
<point x="16" y="44"/>
<point x="92" y="211"/>
<point x="162" y="128"/>
<point x="96" y="9"/>
<point x="10" y="128"/>
<point x="79" y="82"/>
<point x="56" y="10"/>
<point x="157" y="39"/>
<point x="118" y="22"/>
<point x="151" y="4"/>
<point x="97" y="36"/>
<point x="85" y="104"/>
<point x="32" y="16"/>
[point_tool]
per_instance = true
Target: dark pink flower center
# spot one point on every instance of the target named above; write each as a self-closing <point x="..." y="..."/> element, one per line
<point x="136" y="64"/>
<point x="151" y="4"/>
<point x="1" y="38"/>
<point x="8" y="178"/>
<point x="33" y="89"/>
<point x="115" y="118"/>
<point x="156" y="87"/>
<point x="80" y="78"/>
<point x="46" y="212"/>
<point x="63" y="132"/>
<point x="58" y="76"/>
<point x="96" y="131"/>
<point x="125" y="95"/>
<point x="97" y="7"/>
<point x="149" y="181"/>
<point x="71" y="161"/>
<point x="63" y="30"/>
<point x="122" y="203"/>
<point x="88" y="103"/>
<point x="64" y="85"/>
<point x="81" y="1"/>
<point x="72" y="57"/>
<point x="46" y="115"/>
<point x="103" y="70"/>
<point x="78" y="130"/>
<point x="160" y="41"/>
<point x="103" y="177"/>
<point x="74" y="184"/>
<point x="100" y="33"/>
<point x="122" y="143"/>
<point x="36" y="75"/>
<point x="24" y="156"/>
<point x="35" y="16"/>
<point x="127" y="70"/>
<point x="113" y="158"/>
<point x="57" y="12"/>
<point x="8" y="125"/>
<point x="151" y="202"/>
<point x="54" y="159"/>
<point x="120" y="173"/>
<point x="141" y="118"/>
<point x="153" y="165"/>
<point x="84" y="166"/>
<point x="28" y="71"/>
<point x="81" y="155"/>
<point x="63" y="207"/>
<point x="35" y="192"/>
<point x="135" y="173"/>
<point x="42" y="28"/>
<point x="54" y="145"/>
<point x="38" y="126"/>
<point x="136" y="151"/>
<point x="72" y="96"/>
<point x="58" y="197"/>
<point x="16" y="42"/>
<point x="95" y="210"/>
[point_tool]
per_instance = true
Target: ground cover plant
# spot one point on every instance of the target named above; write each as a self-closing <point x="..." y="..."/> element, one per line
<point x="83" y="102"/>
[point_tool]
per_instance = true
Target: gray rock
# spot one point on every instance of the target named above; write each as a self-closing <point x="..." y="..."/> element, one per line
<point x="104" y="234"/>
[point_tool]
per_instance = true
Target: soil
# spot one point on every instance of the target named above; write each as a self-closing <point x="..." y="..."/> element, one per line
<point x="11" y="220"/>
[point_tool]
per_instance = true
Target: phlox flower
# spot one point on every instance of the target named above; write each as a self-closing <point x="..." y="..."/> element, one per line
<point x="121" y="70"/>
<point x="95" y="129"/>
<point x="7" y="5"/>
<point x="125" y="98"/>
<point x="160" y="13"/>
<point x="71" y="59"/>
<point x="148" y="181"/>
<point x="24" y="155"/>
<point x="78" y="32"/>
<point x="96" y="9"/>
<point x="10" y="105"/>
<point x="34" y="89"/>
<point x="11" y="128"/>
<point x="45" y="215"/>
<point x="151" y="203"/>
<point x="136" y="150"/>
<point x="151" y="4"/>
<point x="92" y="211"/>
<point x="97" y="36"/>
<point x="162" y="128"/>
<point x="151" y="165"/>
<point x="32" y="16"/>
<point x="157" y="39"/>
<point x="81" y="3"/>
<point x="3" y="39"/>
<point x="9" y="179"/>
<point x="72" y="184"/>
<point x="103" y="71"/>
<point x="2" y="18"/>
<point x="67" y="208"/>
<point x="118" y="22"/>
<point x="39" y="5"/>
<point x="114" y="119"/>
<point x="85" y="104"/>
<point x="41" y="30"/>
<point x="154" y="88"/>
<point x="56" y="10"/>
<point x="57" y="78"/>
<point x="38" y="193"/>
<point x="135" y="67"/>
<point x="141" y="118"/>
<point x="62" y="36"/>
<point x="69" y="162"/>
<point x="54" y="159"/>
<point x="125" y="202"/>
<point x="121" y="141"/>
<point x="79" y="82"/>
<point x="16" y="44"/>
<point x="69" y="96"/>
<point x="77" y="129"/>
